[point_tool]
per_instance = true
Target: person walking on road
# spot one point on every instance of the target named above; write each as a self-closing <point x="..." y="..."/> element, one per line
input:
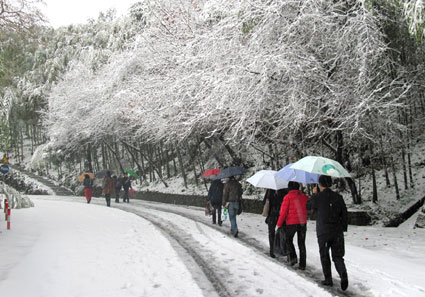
<point x="108" y="187"/>
<point x="294" y="213"/>
<point x="331" y="222"/>
<point x="232" y="197"/>
<point x="275" y="201"/>
<point x="118" y="185"/>
<point x="88" y="187"/>
<point x="126" y="185"/>
<point x="215" y="198"/>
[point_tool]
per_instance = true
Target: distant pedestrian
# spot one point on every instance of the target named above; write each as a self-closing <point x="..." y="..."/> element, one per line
<point x="108" y="187"/>
<point x="118" y="185"/>
<point x="215" y="198"/>
<point x="232" y="197"/>
<point x="88" y="187"/>
<point x="275" y="201"/>
<point x="126" y="185"/>
<point x="294" y="213"/>
<point x="331" y="222"/>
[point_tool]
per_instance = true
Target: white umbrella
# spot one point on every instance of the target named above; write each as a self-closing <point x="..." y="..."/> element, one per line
<point x="321" y="165"/>
<point x="267" y="179"/>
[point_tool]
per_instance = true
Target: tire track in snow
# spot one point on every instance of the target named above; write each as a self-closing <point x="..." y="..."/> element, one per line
<point x="184" y="241"/>
<point x="311" y="274"/>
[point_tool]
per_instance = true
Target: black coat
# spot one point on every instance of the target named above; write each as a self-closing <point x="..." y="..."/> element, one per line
<point x="330" y="210"/>
<point x="215" y="193"/>
<point x="275" y="198"/>
<point x="126" y="184"/>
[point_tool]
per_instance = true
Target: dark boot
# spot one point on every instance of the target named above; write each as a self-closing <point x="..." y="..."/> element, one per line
<point x="344" y="282"/>
<point x="327" y="282"/>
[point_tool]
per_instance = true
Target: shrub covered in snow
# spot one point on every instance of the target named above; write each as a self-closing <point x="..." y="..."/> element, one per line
<point x="16" y="200"/>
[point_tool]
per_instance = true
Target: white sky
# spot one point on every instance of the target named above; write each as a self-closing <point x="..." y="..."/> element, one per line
<point x="65" y="12"/>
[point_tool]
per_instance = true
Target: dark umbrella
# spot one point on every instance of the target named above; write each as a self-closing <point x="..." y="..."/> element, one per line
<point x="231" y="171"/>
<point x="102" y="173"/>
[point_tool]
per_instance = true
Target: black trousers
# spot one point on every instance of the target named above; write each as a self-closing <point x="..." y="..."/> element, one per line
<point x="272" y="235"/>
<point x="335" y="243"/>
<point x="300" y="230"/>
<point x="108" y="199"/>
<point x="216" y="214"/>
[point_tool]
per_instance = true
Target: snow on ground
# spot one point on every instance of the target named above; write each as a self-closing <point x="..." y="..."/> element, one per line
<point x="61" y="248"/>
<point x="71" y="249"/>
<point x="64" y="247"/>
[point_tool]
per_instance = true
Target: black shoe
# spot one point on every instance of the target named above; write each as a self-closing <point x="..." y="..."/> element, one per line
<point x="344" y="282"/>
<point x="214" y="223"/>
<point x="219" y="223"/>
<point x="301" y="267"/>
<point x="236" y="234"/>
<point x="327" y="282"/>
<point x="293" y="261"/>
<point x="272" y="255"/>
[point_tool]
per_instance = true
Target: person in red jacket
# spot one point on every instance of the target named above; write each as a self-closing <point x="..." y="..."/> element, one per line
<point x="294" y="212"/>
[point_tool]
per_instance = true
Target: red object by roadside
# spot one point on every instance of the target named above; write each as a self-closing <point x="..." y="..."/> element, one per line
<point x="131" y="192"/>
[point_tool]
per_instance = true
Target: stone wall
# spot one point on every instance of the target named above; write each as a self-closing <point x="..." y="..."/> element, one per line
<point x="359" y="218"/>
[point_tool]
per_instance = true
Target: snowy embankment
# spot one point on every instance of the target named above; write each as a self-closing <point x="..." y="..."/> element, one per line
<point x="64" y="248"/>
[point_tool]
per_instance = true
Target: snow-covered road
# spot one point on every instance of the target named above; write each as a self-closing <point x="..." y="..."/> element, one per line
<point x="64" y="247"/>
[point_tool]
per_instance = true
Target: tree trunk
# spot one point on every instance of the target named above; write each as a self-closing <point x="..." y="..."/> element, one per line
<point x="115" y="154"/>
<point x="397" y="192"/>
<point x="409" y="164"/>
<point x="192" y="161"/>
<point x="403" y="158"/>
<point x="356" y="198"/>
<point x="384" y="163"/>
<point x="339" y="147"/>
<point x="179" y="156"/>
<point x="89" y="159"/>
<point x="174" y="160"/>
<point x="374" y="187"/>
<point x="216" y="157"/>
<point x="149" y="160"/>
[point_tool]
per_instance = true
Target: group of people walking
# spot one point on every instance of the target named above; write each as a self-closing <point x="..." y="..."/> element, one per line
<point x="287" y="211"/>
<point x="111" y="185"/>
<point x="228" y="196"/>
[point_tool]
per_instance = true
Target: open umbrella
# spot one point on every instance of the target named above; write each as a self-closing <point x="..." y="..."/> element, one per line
<point x="231" y="171"/>
<point x="210" y="172"/>
<point x="102" y="173"/>
<point x="321" y="165"/>
<point x="267" y="179"/>
<point x="132" y="173"/>
<point x="301" y="176"/>
<point x="83" y="175"/>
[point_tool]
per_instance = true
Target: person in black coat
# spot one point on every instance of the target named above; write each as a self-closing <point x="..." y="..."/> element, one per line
<point x="126" y="185"/>
<point x="275" y="200"/>
<point x="215" y="198"/>
<point x="331" y="222"/>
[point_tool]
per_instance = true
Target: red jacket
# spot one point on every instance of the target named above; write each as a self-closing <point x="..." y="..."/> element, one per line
<point x="293" y="209"/>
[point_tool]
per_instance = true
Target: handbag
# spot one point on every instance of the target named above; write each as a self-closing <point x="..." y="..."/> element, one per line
<point x="208" y="209"/>
<point x="131" y="192"/>
<point x="280" y="242"/>
<point x="266" y="208"/>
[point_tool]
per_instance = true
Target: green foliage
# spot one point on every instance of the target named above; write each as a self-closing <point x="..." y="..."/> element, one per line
<point x="248" y="26"/>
